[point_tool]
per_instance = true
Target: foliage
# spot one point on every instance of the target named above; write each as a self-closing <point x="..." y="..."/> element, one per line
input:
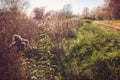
<point x="8" y="4"/>
<point x="110" y="10"/>
<point x="13" y="23"/>
<point x="38" y="61"/>
<point x="56" y="46"/>
<point x="39" y="13"/>
<point x="115" y="8"/>
<point x="92" y="53"/>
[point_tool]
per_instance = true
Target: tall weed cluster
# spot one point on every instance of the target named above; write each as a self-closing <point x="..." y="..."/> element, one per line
<point x="56" y="48"/>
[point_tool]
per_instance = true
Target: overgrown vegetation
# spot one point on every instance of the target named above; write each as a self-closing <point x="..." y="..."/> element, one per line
<point x="56" y="46"/>
<point x="93" y="54"/>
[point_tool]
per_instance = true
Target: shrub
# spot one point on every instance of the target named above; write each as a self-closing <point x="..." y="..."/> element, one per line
<point x="91" y="52"/>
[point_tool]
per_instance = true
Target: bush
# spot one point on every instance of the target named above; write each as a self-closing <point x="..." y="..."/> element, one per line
<point x="91" y="52"/>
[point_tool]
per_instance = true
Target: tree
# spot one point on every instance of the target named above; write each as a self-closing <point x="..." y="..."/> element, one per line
<point x="106" y="12"/>
<point x="86" y="12"/>
<point x="7" y="4"/>
<point x="115" y="8"/>
<point x="101" y="12"/>
<point x="67" y="10"/>
<point x="39" y="13"/>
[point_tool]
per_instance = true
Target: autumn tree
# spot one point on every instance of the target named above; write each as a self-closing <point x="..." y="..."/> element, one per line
<point x="115" y="8"/>
<point x="39" y="13"/>
<point x="101" y="12"/>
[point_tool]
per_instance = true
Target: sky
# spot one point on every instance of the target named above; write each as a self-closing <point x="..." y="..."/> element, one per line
<point x="77" y="5"/>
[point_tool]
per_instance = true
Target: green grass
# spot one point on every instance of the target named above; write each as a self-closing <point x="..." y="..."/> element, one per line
<point x="94" y="53"/>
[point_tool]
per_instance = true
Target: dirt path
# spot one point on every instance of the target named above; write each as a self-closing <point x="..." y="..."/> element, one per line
<point x="107" y="25"/>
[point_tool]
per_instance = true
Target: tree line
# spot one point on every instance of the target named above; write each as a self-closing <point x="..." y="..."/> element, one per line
<point x="109" y="10"/>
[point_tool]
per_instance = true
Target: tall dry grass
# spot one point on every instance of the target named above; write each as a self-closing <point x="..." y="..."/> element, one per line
<point x="10" y="60"/>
